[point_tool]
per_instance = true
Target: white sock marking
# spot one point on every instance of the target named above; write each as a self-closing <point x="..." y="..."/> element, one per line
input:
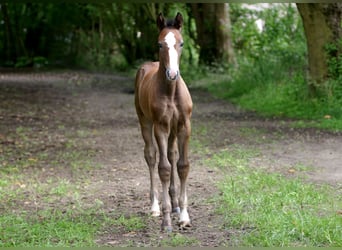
<point x="155" y="208"/>
<point x="184" y="216"/>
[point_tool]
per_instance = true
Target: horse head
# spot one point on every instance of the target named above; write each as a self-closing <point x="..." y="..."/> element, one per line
<point x="170" y="42"/>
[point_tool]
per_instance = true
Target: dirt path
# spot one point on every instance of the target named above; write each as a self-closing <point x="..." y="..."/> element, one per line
<point x="99" y="109"/>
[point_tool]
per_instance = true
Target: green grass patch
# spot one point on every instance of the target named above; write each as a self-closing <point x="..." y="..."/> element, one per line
<point x="179" y="240"/>
<point x="274" y="89"/>
<point x="290" y="99"/>
<point x="271" y="210"/>
<point x="130" y="224"/>
<point x="43" y="178"/>
<point x="321" y="123"/>
<point x="50" y="228"/>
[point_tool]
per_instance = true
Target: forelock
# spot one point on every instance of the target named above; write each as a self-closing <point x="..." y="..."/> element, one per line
<point x="170" y="23"/>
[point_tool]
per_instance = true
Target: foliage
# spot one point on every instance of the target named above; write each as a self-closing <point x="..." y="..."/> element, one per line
<point x="96" y="36"/>
<point x="281" y="36"/>
<point x="34" y="30"/>
<point x="266" y="57"/>
<point x="119" y="36"/>
<point x="271" y="75"/>
<point x="334" y="61"/>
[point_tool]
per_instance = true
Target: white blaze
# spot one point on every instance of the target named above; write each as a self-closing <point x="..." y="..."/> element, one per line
<point x="170" y="40"/>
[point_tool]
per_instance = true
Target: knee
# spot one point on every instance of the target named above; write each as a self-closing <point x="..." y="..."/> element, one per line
<point x="183" y="168"/>
<point x="150" y="155"/>
<point x="164" y="171"/>
<point x="183" y="164"/>
<point x="172" y="190"/>
<point x="172" y="153"/>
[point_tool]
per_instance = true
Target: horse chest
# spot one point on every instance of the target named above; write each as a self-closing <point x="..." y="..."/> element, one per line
<point x="165" y="112"/>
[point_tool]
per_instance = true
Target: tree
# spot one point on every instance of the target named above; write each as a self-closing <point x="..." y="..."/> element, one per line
<point x="134" y="26"/>
<point x="213" y="32"/>
<point x="13" y="46"/>
<point x="36" y="30"/>
<point x="323" y="31"/>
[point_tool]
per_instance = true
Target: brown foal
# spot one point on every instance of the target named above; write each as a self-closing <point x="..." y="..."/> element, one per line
<point x="163" y="105"/>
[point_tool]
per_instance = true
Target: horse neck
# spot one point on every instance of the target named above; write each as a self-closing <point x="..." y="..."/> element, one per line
<point x="166" y="87"/>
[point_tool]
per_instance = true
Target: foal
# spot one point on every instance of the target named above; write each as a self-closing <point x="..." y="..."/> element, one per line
<point x="163" y="105"/>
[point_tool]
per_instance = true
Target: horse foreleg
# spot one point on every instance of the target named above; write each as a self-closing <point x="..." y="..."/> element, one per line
<point x="183" y="168"/>
<point x="172" y="155"/>
<point x="150" y="157"/>
<point x="161" y="133"/>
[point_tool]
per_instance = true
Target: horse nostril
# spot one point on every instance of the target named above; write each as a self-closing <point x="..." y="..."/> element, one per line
<point x="172" y="75"/>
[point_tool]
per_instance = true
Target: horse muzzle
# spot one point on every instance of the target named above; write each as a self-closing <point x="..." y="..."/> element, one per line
<point x="172" y="75"/>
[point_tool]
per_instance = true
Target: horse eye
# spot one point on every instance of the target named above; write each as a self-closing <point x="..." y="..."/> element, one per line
<point x="160" y="45"/>
<point x="181" y="44"/>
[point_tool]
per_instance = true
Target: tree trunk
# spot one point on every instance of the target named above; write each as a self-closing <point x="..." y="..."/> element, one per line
<point x="322" y="26"/>
<point x="8" y="45"/>
<point x="224" y="36"/>
<point x="213" y="32"/>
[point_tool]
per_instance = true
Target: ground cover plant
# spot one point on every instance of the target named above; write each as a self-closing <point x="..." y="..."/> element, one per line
<point x="272" y="75"/>
<point x="265" y="146"/>
<point x="273" y="210"/>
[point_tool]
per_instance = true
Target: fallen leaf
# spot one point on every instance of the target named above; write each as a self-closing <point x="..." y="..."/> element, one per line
<point x="113" y="242"/>
<point x="291" y="171"/>
<point x="129" y="234"/>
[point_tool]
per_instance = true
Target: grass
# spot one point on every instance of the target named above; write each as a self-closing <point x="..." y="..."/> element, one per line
<point x="46" y="211"/>
<point x="50" y="228"/>
<point x="290" y="100"/>
<point x="27" y="218"/>
<point x="271" y="210"/>
<point x="274" y="89"/>
<point x="267" y="209"/>
<point x="178" y="240"/>
<point x="40" y="209"/>
<point x="132" y="223"/>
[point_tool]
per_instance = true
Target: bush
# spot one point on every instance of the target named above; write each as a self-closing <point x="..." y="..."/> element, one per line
<point x="271" y="74"/>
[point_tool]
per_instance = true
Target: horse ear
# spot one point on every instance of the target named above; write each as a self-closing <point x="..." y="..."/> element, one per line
<point x="161" y="22"/>
<point x="178" y="21"/>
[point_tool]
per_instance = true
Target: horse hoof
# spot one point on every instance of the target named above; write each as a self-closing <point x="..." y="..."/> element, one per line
<point x="166" y="229"/>
<point x="183" y="225"/>
<point x="155" y="213"/>
<point x="176" y="210"/>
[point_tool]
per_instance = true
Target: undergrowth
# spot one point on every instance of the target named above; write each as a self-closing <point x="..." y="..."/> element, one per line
<point x="272" y="68"/>
<point x="272" y="89"/>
